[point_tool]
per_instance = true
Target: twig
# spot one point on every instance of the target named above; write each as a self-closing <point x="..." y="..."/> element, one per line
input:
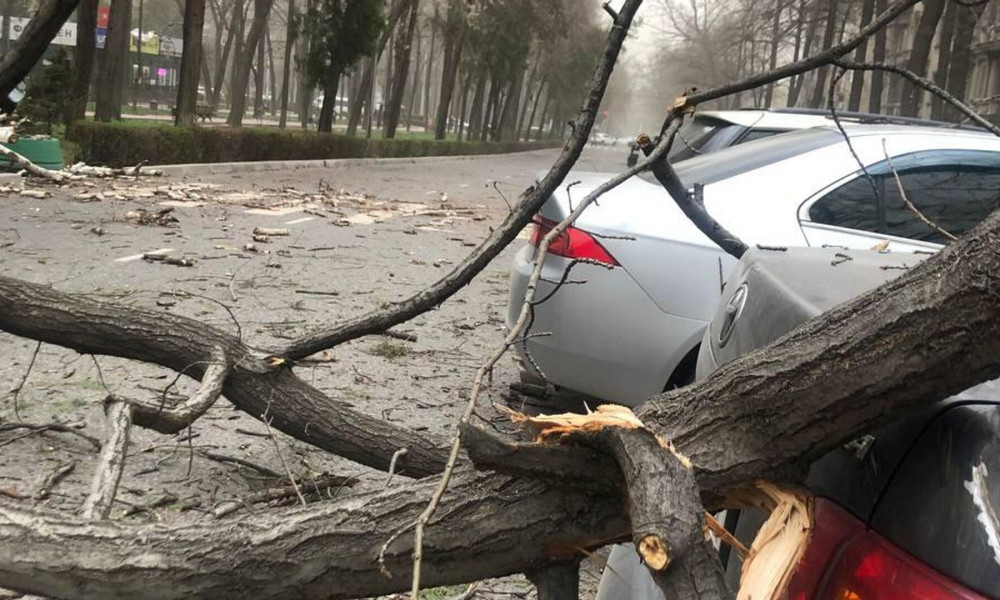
<point x="54" y="477"/>
<point x="398" y="454"/>
<point x="178" y="418"/>
<point x="27" y="372"/>
<point x="906" y="201"/>
<point x="607" y="8"/>
<point x="833" y="114"/>
<point x="240" y="461"/>
<point x="42" y="427"/>
<point x="277" y="449"/>
<point x="281" y="493"/>
<point x="406" y="337"/>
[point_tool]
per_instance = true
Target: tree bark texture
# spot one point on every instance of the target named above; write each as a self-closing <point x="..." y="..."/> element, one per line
<point x="191" y="60"/>
<point x="244" y="60"/>
<point x="944" y="56"/>
<point x="363" y="97"/>
<point x="115" y="63"/>
<point x="454" y="36"/>
<point x="858" y="77"/>
<point x="961" y="58"/>
<point x="17" y="62"/>
<point x="913" y="96"/>
<point x="404" y="46"/>
<point x="83" y="63"/>
<point x="286" y="70"/>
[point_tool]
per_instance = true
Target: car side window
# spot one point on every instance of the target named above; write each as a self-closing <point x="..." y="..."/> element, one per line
<point x="758" y="134"/>
<point x="852" y="205"/>
<point x="954" y="197"/>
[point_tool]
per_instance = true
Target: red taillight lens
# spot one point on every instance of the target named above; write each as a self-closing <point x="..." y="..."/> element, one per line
<point x="857" y="564"/>
<point x="873" y="568"/>
<point x="572" y="243"/>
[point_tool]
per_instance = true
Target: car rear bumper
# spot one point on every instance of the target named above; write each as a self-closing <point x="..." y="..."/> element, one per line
<point x="608" y="338"/>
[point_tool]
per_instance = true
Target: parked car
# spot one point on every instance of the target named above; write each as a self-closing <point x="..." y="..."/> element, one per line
<point x="713" y="130"/>
<point x="903" y="512"/>
<point x="634" y="328"/>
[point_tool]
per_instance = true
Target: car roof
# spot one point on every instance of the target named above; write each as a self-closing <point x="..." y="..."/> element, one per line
<point x="801" y="118"/>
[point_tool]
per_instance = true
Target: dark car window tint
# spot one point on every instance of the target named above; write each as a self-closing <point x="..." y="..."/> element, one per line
<point x="758" y="134"/>
<point x="941" y="504"/>
<point x="852" y="205"/>
<point x="956" y="198"/>
<point x="701" y="136"/>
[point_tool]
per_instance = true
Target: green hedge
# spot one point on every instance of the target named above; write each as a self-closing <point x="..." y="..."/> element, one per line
<point x="124" y="144"/>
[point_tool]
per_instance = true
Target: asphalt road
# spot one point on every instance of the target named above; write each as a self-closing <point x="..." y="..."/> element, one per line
<point x="358" y="236"/>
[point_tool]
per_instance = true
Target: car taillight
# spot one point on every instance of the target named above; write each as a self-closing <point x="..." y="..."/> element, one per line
<point x="871" y="567"/>
<point x="572" y="243"/>
<point x="854" y="563"/>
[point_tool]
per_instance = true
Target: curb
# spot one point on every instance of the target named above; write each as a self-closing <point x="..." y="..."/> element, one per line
<point x="291" y="165"/>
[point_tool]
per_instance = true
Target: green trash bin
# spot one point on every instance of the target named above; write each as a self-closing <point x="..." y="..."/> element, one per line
<point x="44" y="152"/>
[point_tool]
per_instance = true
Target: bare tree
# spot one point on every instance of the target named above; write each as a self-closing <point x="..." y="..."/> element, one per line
<point x="404" y="45"/>
<point x="114" y="64"/>
<point x="191" y="62"/>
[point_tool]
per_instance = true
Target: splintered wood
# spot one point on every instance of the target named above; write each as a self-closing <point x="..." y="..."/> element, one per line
<point x="779" y="544"/>
<point x="606" y="415"/>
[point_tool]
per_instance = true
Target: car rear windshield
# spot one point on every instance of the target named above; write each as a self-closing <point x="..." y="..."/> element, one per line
<point x="732" y="161"/>
<point x="702" y="135"/>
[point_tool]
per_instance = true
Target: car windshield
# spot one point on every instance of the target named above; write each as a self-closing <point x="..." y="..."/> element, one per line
<point x="742" y="158"/>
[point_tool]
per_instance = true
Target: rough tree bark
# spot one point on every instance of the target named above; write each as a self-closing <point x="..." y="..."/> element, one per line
<point x="29" y="47"/>
<point x="244" y="60"/>
<point x="286" y="70"/>
<point x="191" y="61"/>
<point x="364" y="93"/>
<point x="858" y="78"/>
<point x="404" y="46"/>
<point x="454" y="37"/>
<point x="913" y="96"/>
<point x="83" y="61"/>
<point x="114" y="63"/>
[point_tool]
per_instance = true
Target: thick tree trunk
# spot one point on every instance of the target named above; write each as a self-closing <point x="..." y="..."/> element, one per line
<point x="773" y="53"/>
<point x="795" y="86"/>
<point x="404" y="46"/>
<point x="286" y="69"/>
<point x="507" y="126"/>
<point x="414" y="85"/>
<point x="534" y="107"/>
<point x="961" y="57"/>
<point x="114" y="64"/>
<point x="363" y="97"/>
<point x="529" y="89"/>
<point x="819" y="92"/>
<point x="16" y="63"/>
<point x="241" y="74"/>
<point x="878" y="56"/>
<point x="860" y="54"/>
<point x="476" y="110"/>
<point x="325" y="124"/>
<point x="765" y="415"/>
<point x="83" y="60"/>
<point x="454" y="37"/>
<point x="222" y="59"/>
<point x="425" y="107"/>
<point x="944" y="57"/>
<point x="258" y="76"/>
<point x="191" y="60"/>
<point x="912" y="98"/>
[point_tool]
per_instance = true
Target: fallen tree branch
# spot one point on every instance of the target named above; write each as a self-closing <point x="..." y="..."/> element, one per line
<point x="924" y="83"/>
<point x="902" y="194"/>
<point x="104" y="485"/>
<point x="31" y="167"/>
<point x="178" y="418"/>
